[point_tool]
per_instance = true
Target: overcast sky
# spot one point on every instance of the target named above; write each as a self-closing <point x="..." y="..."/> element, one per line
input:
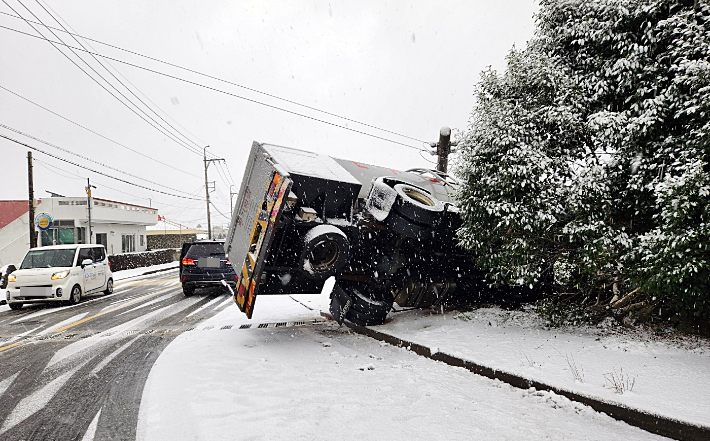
<point x="406" y="67"/>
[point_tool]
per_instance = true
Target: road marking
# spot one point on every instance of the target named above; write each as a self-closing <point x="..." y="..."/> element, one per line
<point x="5" y="384"/>
<point x="4" y="348"/>
<point x="121" y="306"/>
<point x="91" y="430"/>
<point x="63" y="322"/>
<point x="37" y="400"/>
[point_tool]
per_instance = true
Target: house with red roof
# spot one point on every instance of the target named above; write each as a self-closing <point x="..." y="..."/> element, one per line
<point x="14" y="230"/>
<point x="119" y="226"/>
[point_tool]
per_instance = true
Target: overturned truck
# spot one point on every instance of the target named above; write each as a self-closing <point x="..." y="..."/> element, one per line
<point x="386" y="236"/>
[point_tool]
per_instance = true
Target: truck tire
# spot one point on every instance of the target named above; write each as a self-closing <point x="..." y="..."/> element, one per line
<point x="362" y="319"/>
<point x="417" y="205"/>
<point x="406" y="227"/>
<point x="325" y="251"/>
<point x="365" y="311"/>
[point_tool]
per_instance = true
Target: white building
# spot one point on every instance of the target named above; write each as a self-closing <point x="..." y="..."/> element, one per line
<point x="119" y="226"/>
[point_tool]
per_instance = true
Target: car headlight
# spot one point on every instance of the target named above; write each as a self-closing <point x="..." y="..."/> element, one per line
<point x="11" y="278"/>
<point x="60" y="275"/>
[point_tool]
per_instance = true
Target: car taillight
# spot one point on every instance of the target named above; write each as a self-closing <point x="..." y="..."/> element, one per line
<point x="109" y="264"/>
<point x="187" y="261"/>
<point x="229" y="263"/>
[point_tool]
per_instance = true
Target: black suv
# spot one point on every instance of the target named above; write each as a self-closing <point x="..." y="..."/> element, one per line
<point x="204" y="264"/>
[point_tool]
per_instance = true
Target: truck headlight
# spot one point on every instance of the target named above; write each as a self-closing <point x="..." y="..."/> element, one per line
<point x="60" y="275"/>
<point x="12" y="278"/>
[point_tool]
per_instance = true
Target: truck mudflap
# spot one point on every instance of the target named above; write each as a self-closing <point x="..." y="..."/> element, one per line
<point x="262" y="234"/>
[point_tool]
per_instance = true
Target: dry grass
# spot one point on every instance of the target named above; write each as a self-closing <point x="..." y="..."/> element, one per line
<point x="619" y="381"/>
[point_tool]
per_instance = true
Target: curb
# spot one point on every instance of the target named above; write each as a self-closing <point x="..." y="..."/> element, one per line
<point x="658" y="424"/>
<point x="149" y="272"/>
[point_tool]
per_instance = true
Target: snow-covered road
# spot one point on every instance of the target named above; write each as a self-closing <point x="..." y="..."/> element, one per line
<point x="322" y="382"/>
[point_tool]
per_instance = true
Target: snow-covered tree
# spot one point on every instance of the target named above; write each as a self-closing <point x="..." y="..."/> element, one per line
<point x="590" y="154"/>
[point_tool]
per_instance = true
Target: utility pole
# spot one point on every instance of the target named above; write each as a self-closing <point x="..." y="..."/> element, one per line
<point x="207" y="189"/>
<point x="31" y="201"/>
<point x="443" y="149"/>
<point x="88" y="202"/>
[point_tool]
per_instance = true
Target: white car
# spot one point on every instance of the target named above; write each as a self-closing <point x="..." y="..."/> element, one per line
<point x="59" y="273"/>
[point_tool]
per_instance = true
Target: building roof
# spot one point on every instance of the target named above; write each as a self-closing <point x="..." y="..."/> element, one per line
<point x="11" y="210"/>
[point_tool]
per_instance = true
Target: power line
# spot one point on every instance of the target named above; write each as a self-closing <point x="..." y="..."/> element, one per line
<point x="79" y="177"/>
<point x="228" y="93"/>
<point x="217" y="210"/>
<point x="96" y="133"/>
<point x="240" y="86"/>
<point x="72" y="49"/>
<point x="87" y="159"/>
<point x="95" y="171"/>
<point x="128" y="81"/>
<point x="111" y="73"/>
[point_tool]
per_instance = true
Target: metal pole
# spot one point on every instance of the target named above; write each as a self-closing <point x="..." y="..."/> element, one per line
<point x="207" y="194"/>
<point x="231" y="203"/>
<point x="443" y="149"/>
<point x="88" y="201"/>
<point x="31" y="201"/>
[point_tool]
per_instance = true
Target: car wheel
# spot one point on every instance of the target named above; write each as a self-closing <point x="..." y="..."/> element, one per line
<point x="188" y="290"/>
<point x="75" y="295"/>
<point x="109" y="287"/>
<point x="15" y="306"/>
<point x="417" y="205"/>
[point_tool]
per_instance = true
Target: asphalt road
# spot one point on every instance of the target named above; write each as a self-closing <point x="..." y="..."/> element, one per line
<point x="78" y="372"/>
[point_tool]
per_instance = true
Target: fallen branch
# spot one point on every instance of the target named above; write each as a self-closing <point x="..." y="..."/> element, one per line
<point x="626" y="299"/>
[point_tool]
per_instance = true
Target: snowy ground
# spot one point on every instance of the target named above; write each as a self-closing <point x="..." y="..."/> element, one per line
<point x="319" y="381"/>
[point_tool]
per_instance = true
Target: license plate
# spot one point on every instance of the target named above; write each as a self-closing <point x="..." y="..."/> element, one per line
<point x="44" y="291"/>
<point x="208" y="262"/>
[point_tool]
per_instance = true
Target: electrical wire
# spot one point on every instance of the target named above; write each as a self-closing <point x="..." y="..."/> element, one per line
<point x="97" y="134"/>
<point x="73" y="49"/>
<point x="239" y="85"/>
<point x="229" y="93"/>
<point x="54" y="169"/>
<point x="95" y="171"/>
<point x="111" y="73"/>
<point x="87" y="159"/>
<point x="217" y="210"/>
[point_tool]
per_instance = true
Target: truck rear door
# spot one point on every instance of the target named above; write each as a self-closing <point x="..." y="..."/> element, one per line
<point x="252" y="227"/>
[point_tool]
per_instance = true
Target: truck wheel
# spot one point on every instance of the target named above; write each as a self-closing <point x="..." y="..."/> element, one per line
<point x="406" y="227"/>
<point x="326" y="250"/>
<point x="417" y="205"/>
<point x="362" y="319"/>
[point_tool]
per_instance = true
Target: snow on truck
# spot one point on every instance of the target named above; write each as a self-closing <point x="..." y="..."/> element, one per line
<point x="386" y="236"/>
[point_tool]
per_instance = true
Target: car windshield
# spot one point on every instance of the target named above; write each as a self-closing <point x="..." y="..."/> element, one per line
<point x="204" y="250"/>
<point x="48" y="258"/>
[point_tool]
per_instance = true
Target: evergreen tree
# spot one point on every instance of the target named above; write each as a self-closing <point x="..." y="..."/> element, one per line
<point x="590" y="156"/>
